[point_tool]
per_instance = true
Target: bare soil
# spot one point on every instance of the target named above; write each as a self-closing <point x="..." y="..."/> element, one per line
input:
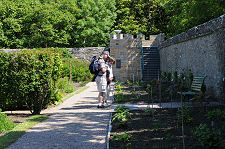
<point x="163" y="129"/>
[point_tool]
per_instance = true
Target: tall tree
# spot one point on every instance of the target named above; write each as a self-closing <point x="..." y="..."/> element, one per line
<point x="184" y="14"/>
<point x="51" y="23"/>
<point x="140" y="16"/>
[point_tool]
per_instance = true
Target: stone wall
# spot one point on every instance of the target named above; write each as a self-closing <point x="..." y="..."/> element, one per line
<point x="80" y="53"/>
<point x="200" y="50"/>
<point x="87" y="53"/>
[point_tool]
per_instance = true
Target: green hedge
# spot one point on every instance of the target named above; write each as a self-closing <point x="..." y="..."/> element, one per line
<point x="79" y="70"/>
<point x="28" y="78"/>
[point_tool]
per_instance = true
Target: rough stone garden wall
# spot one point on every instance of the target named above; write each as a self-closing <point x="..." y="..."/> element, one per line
<point x="84" y="54"/>
<point x="87" y="53"/>
<point x="200" y="50"/>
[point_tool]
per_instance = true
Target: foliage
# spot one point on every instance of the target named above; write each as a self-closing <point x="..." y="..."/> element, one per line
<point x="185" y="14"/>
<point x="5" y="123"/>
<point x="156" y="127"/>
<point x="61" y="23"/>
<point x="216" y="114"/>
<point x="121" y="109"/>
<point x="121" y="118"/>
<point x="79" y="70"/>
<point x="119" y="97"/>
<point x="210" y="138"/>
<point x="123" y="138"/>
<point x="187" y="118"/>
<point x="28" y="77"/>
<point x="65" y="85"/>
<point x="142" y="16"/>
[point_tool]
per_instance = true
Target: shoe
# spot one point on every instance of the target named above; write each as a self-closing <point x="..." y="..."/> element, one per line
<point x="100" y="106"/>
<point x="106" y="105"/>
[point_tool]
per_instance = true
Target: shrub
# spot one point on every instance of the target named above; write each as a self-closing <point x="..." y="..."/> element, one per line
<point x="124" y="138"/>
<point x="121" y="118"/>
<point x="121" y="109"/>
<point x="216" y="114"/>
<point x="210" y="138"/>
<point x="66" y="85"/>
<point x="28" y="77"/>
<point x="79" y="70"/>
<point x="5" y="123"/>
<point x="187" y="118"/>
<point x="119" y="97"/>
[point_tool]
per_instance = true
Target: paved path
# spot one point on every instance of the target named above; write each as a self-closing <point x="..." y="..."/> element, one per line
<point x="163" y="105"/>
<point x="74" y="124"/>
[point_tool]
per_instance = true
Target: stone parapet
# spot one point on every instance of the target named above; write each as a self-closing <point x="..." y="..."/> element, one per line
<point x="197" y="31"/>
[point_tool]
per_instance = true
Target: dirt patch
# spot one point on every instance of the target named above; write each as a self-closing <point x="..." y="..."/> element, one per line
<point x="164" y="129"/>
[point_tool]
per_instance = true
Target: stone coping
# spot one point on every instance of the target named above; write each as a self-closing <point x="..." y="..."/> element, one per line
<point x="197" y="31"/>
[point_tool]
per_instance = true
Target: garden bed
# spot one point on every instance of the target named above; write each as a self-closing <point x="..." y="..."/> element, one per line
<point x="163" y="130"/>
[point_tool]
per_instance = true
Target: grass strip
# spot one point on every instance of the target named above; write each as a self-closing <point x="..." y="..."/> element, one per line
<point x="14" y="134"/>
<point x="72" y="94"/>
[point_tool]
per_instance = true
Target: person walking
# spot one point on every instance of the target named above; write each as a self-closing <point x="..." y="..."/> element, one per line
<point x="101" y="78"/>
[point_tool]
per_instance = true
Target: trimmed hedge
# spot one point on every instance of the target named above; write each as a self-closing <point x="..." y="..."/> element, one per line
<point x="28" y="78"/>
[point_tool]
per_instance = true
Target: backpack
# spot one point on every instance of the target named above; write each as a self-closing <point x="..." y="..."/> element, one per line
<point x="93" y="67"/>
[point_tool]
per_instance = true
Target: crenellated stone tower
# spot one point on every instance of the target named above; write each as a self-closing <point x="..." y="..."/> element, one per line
<point x="128" y="52"/>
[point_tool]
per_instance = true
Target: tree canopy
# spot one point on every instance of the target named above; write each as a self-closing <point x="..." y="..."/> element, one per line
<point x="55" y="23"/>
<point x="82" y="23"/>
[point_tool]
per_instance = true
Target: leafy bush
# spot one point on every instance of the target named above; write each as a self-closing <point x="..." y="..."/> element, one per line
<point x="51" y="23"/>
<point x="187" y="118"/>
<point x="65" y="85"/>
<point x="121" y="109"/>
<point x="121" y="118"/>
<point x="28" y="78"/>
<point x="119" y="97"/>
<point x="216" y="114"/>
<point x="5" y="123"/>
<point x="210" y="138"/>
<point x="124" y="138"/>
<point x="79" y="70"/>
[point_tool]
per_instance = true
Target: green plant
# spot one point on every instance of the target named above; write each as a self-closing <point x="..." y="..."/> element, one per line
<point x="119" y="97"/>
<point x="209" y="138"/>
<point x="5" y="123"/>
<point x="65" y="85"/>
<point x="121" y="109"/>
<point x="79" y="70"/>
<point x="156" y="127"/>
<point x="187" y="118"/>
<point x="124" y="138"/>
<point x="29" y="78"/>
<point x="121" y="118"/>
<point x="216" y="114"/>
<point x="129" y="83"/>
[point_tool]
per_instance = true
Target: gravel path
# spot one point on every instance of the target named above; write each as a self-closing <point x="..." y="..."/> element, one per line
<point x="74" y="124"/>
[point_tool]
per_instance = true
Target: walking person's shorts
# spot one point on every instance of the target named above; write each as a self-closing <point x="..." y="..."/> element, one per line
<point x="101" y="83"/>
